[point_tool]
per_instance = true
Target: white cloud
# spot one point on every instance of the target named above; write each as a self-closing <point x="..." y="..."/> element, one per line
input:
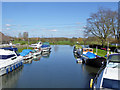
<point x="7" y="25"/>
<point x="7" y="28"/>
<point x="54" y="30"/>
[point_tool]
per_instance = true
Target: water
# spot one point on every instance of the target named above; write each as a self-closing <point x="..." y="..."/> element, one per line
<point x="55" y="70"/>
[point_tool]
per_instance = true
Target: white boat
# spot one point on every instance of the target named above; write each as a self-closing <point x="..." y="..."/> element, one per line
<point x="9" y="60"/>
<point x="37" y="45"/>
<point x="108" y="77"/>
<point x="36" y="52"/>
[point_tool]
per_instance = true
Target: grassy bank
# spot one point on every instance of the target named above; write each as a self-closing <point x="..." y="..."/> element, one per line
<point x="22" y="48"/>
<point x="100" y="52"/>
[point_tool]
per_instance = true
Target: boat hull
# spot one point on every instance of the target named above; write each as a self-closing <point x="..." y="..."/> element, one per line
<point x="96" y="62"/>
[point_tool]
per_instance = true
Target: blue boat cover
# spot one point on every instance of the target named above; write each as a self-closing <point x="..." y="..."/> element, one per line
<point x="90" y="55"/>
<point x="25" y="52"/>
<point x="10" y="48"/>
<point x="44" y="46"/>
<point x="46" y="43"/>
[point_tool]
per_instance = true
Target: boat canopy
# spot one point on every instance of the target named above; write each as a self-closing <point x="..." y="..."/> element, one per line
<point x="46" y="43"/>
<point x="10" y="48"/>
<point x="44" y="46"/>
<point x="90" y="55"/>
<point x="25" y="52"/>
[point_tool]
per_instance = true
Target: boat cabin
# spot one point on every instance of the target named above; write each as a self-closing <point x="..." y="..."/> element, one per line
<point x="85" y="50"/>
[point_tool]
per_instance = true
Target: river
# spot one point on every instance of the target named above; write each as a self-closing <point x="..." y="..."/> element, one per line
<point x="55" y="70"/>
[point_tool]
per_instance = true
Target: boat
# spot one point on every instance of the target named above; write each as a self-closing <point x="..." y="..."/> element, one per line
<point x="37" y="45"/>
<point x="77" y="49"/>
<point x="45" y="47"/>
<point x="27" y="54"/>
<point x="36" y="52"/>
<point x="87" y="56"/>
<point x="92" y="59"/>
<point x="108" y="77"/>
<point x="10" y="59"/>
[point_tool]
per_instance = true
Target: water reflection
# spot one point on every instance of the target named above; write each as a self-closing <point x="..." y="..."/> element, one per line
<point x="10" y="80"/>
<point x="37" y="58"/>
<point x="29" y="61"/>
<point x="46" y="54"/>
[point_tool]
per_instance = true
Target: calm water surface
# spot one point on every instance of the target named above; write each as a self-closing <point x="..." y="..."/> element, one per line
<point x="55" y="70"/>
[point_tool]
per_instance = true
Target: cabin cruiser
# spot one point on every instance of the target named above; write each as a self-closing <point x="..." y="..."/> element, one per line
<point x="37" y="45"/>
<point x="45" y="47"/>
<point x="89" y="58"/>
<point x="27" y="54"/>
<point x="36" y="52"/>
<point x="108" y="77"/>
<point x="10" y="59"/>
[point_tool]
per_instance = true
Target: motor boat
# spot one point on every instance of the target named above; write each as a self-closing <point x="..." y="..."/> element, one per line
<point x="27" y="54"/>
<point x="10" y="59"/>
<point x="37" y="45"/>
<point x="108" y="77"/>
<point x="45" y="47"/>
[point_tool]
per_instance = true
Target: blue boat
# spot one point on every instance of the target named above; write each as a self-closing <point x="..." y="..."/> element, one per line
<point x="26" y="53"/>
<point x="93" y="60"/>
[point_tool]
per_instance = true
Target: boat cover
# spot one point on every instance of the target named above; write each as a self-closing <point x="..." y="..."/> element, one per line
<point x="46" y="43"/>
<point x="25" y="52"/>
<point x="44" y="46"/>
<point x="90" y="55"/>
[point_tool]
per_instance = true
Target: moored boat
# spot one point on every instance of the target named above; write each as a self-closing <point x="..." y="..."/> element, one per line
<point x="10" y="59"/>
<point x="87" y="56"/>
<point x="27" y="54"/>
<point x="108" y="77"/>
<point x="37" y="45"/>
<point x="45" y="47"/>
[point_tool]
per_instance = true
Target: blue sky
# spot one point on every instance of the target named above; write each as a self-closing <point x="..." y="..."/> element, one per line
<point x="49" y="19"/>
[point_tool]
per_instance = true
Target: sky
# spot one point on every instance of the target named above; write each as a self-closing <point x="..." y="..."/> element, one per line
<point x="49" y="19"/>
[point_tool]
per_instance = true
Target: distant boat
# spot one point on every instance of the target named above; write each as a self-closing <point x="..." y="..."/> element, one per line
<point x="10" y="59"/>
<point x="37" y="45"/>
<point x="108" y="77"/>
<point x="45" y="47"/>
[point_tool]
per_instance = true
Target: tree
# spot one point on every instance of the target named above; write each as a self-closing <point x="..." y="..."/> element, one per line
<point x="25" y="36"/>
<point x="102" y="24"/>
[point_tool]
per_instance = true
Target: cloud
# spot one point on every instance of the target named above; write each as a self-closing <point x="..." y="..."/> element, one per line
<point x="7" y="28"/>
<point x="54" y="30"/>
<point x="7" y="25"/>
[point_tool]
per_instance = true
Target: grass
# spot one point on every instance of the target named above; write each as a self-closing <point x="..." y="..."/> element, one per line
<point x="22" y="48"/>
<point x="100" y="52"/>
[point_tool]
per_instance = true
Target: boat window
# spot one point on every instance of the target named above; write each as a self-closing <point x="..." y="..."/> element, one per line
<point x="90" y="50"/>
<point x="6" y="56"/>
<point x="114" y="58"/>
<point x="110" y="83"/>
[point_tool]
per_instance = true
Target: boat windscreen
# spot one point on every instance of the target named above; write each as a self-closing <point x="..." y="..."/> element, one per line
<point x="6" y="56"/>
<point x="110" y="83"/>
<point x="114" y="58"/>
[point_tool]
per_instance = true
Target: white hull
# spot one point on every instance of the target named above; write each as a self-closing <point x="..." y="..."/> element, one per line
<point x="9" y="65"/>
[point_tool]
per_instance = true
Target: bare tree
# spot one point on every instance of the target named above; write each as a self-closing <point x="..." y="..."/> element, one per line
<point x="102" y="24"/>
